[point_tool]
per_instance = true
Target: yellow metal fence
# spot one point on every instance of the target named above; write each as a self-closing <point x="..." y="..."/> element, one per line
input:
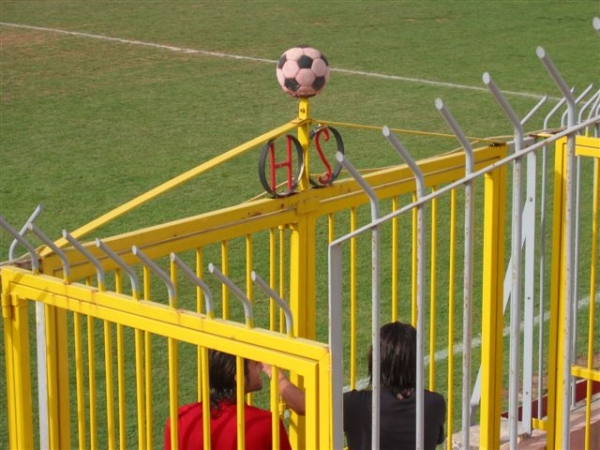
<point x="126" y="340"/>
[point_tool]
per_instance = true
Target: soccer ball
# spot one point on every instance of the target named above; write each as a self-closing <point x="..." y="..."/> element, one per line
<point x="302" y="71"/>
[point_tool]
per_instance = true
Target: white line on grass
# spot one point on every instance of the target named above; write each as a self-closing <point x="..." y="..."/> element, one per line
<point x="270" y="61"/>
<point x="475" y="343"/>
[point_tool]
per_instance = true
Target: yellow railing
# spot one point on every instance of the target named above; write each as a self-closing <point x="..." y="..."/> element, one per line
<point x="151" y="326"/>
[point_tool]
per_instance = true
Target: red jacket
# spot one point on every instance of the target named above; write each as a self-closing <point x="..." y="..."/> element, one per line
<point x="223" y="429"/>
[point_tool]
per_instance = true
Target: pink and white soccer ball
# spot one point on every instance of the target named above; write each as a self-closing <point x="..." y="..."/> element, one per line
<point x="302" y="71"/>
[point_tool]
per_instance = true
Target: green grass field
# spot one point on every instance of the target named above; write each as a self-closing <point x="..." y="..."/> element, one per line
<point x="102" y="101"/>
<point x="88" y="123"/>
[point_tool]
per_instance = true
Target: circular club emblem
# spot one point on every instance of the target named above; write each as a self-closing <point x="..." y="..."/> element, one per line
<point x="281" y="161"/>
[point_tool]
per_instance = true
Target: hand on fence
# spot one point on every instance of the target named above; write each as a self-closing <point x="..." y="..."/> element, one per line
<point x="291" y="394"/>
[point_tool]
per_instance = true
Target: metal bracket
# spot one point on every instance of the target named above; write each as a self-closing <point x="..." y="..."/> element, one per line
<point x="289" y="318"/>
<point x="237" y="291"/>
<point x="198" y="282"/>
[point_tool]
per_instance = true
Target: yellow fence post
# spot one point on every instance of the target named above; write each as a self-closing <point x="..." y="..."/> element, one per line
<point x="18" y="368"/>
<point x="492" y="317"/>
<point x="302" y="264"/>
<point x="58" y="378"/>
<point x="557" y="297"/>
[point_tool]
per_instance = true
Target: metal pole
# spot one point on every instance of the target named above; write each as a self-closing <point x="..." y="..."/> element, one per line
<point x="468" y="272"/>
<point x="13" y="245"/>
<point x="336" y="312"/>
<point x="420" y="395"/>
<point x="569" y="247"/>
<point x="375" y="337"/>
<point x="515" y="304"/>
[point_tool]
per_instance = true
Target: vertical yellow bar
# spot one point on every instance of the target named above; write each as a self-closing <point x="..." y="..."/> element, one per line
<point x="282" y="285"/>
<point x="52" y="377"/>
<point x="394" y="268"/>
<point x="324" y="414"/>
<point x="173" y="355"/>
<point x="148" y="374"/>
<point x="274" y="403"/>
<point x="249" y="266"/>
<point x="139" y="387"/>
<point x="64" y="382"/>
<point x="147" y="369"/>
<point x="58" y="377"/>
<point x="79" y="381"/>
<point x="304" y="138"/>
<point x="353" y="290"/>
<point x="225" y="271"/>
<point x="205" y="398"/>
<point x="311" y="425"/>
<point x="302" y="266"/>
<point x="492" y="298"/>
<point x="272" y="277"/>
<point x="18" y="368"/>
<point x="451" y="297"/>
<point x="121" y="388"/>
<point x="330" y="227"/>
<point x="199" y="268"/>
<point x="555" y="345"/>
<point x="592" y="319"/>
<point x="433" y="293"/>
<point x="413" y="319"/>
<point x="240" y="400"/>
<point x="173" y="390"/>
<point x="199" y="308"/>
<point x="91" y="350"/>
<point x="108" y="363"/>
<point x="302" y="263"/>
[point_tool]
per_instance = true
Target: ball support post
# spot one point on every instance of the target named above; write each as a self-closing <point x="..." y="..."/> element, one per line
<point x="304" y="139"/>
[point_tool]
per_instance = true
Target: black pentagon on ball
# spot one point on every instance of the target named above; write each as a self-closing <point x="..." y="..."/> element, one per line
<point x="281" y="61"/>
<point x="305" y="62"/>
<point x="291" y="84"/>
<point x="319" y="83"/>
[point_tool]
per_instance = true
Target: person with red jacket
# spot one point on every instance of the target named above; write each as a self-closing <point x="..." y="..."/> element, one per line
<point x="223" y="411"/>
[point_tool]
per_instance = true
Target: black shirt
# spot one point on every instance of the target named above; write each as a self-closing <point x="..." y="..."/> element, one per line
<point x="397" y="420"/>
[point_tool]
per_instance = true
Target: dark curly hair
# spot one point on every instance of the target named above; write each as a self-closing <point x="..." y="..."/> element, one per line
<point x="398" y="358"/>
<point x="221" y="372"/>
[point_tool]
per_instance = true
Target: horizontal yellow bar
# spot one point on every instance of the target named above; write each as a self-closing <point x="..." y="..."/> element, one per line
<point x="149" y="195"/>
<point x="585" y="373"/>
<point x="156" y="318"/>
<point x="265" y="214"/>
<point x="587" y="146"/>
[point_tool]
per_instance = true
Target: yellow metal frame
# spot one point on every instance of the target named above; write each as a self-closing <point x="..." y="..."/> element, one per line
<point x="294" y="216"/>
<point x="291" y="224"/>
<point x="308" y="359"/>
<point x="587" y="147"/>
<point x="492" y="322"/>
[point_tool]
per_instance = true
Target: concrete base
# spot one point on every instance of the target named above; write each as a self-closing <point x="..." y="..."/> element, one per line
<point x="537" y="439"/>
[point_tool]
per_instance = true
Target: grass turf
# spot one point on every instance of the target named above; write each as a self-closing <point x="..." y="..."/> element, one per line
<point x="87" y="123"/>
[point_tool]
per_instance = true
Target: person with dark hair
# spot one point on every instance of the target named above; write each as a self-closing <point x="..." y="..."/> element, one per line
<point x="223" y="411"/>
<point x="398" y="362"/>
